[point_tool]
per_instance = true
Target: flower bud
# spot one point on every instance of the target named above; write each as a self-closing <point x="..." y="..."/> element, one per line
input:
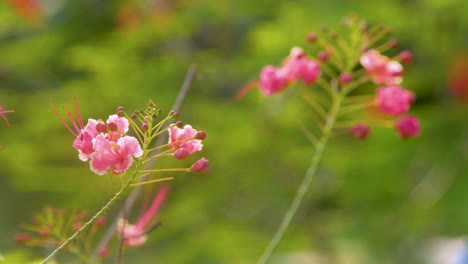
<point x="360" y="131"/>
<point x="311" y="37"/>
<point x="200" y="135"/>
<point x="21" y="239"/>
<point x="174" y="114"/>
<point x="144" y="127"/>
<point x="104" y="252"/>
<point x="101" y="127"/>
<point x="181" y="154"/>
<point x="393" y="43"/>
<point x="407" y="126"/>
<point x="120" y="113"/>
<point x="179" y="124"/>
<point x="345" y="78"/>
<point x="112" y="127"/>
<point x="101" y="221"/>
<point x="323" y="56"/>
<point x="201" y="165"/>
<point x="406" y="56"/>
<point x="120" y="109"/>
<point x="134" y="116"/>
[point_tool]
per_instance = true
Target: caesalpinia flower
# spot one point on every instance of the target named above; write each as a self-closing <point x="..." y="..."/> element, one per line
<point x="272" y="80"/>
<point x="103" y="143"/>
<point x="116" y="155"/>
<point x="184" y="141"/>
<point x="295" y="66"/>
<point x="407" y="126"/>
<point x="394" y="100"/>
<point x="381" y="69"/>
<point x="135" y="235"/>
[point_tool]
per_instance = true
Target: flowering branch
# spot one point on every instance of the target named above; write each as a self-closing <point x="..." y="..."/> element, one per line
<point x="337" y="72"/>
<point x="130" y="201"/>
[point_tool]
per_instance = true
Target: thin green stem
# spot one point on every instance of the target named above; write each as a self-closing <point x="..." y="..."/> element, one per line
<point x="91" y="221"/>
<point x="302" y="190"/>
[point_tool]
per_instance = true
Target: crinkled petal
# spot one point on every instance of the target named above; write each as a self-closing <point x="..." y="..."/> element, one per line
<point x="121" y="122"/>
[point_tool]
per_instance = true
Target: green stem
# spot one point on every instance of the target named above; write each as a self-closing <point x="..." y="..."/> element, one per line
<point x="301" y="191"/>
<point x="91" y="221"/>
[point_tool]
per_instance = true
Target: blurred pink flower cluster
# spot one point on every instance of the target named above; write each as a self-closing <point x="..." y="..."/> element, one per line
<point x="392" y="99"/>
<point x="295" y="66"/>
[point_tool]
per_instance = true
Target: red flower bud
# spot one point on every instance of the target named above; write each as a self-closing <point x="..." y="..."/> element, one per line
<point x="21" y="239"/>
<point x="360" y="131"/>
<point x="201" y="165"/>
<point x="200" y="135"/>
<point x="311" y="37"/>
<point x="406" y="56"/>
<point x="345" y="78"/>
<point x="104" y="252"/>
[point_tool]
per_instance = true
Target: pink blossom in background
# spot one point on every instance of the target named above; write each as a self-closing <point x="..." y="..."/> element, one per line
<point x="297" y="66"/>
<point x="360" y="131"/>
<point x="307" y="70"/>
<point x="407" y="126"/>
<point x="134" y="235"/>
<point x="394" y="100"/>
<point x="272" y="80"/>
<point x="381" y="69"/>
<point x="116" y="155"/>
<point x="289" y="65"/>
<point x="183" y="138"/>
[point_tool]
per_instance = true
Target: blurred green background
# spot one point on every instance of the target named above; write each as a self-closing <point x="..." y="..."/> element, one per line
<point x="374" y="201"/>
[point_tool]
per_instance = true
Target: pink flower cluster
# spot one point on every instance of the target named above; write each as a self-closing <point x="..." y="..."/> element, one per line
<point x="185" y="141"/>
<point x="295" y="66"/>
<point x="106" y="145"/>
<point x="103" y="143"/>
<point x="392" y="99"/>
<point x="381" y="69"/>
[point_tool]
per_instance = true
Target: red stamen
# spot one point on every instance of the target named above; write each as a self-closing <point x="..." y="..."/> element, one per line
<point x="245" y="89"/>
<point x="2" y="114"/>
<point x="155" y="205"/>
<point x="63" y="121"/>
<point x="70" y="116"/>
<point x="78" y="114"/>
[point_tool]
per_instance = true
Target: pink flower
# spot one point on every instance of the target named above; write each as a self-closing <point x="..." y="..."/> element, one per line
<point x="407" y="126"/>
<point x="184" y="138"/>
<point x="201" y="165"/>
<point x="297" y="66"/>
<point x="135" y="235"/>
<point x="360" y="131"/>
<point x="381" y="69"/>
<point x="118" y="155"/>
<point x="272" y="80"/>
<point x="394" y="100"/>
<point x="306" y="69"/>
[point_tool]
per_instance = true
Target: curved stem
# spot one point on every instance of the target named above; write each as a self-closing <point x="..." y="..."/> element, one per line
<point x="91" y="221"/>
<point x="305" y="184"/>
